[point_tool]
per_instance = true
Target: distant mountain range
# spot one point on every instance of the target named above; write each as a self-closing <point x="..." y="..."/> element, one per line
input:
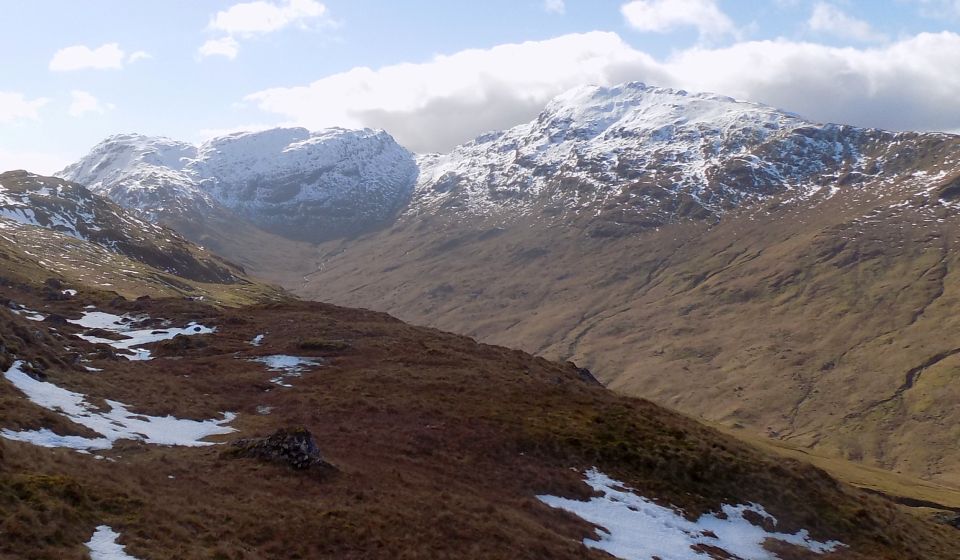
<point x="734" y="261"/>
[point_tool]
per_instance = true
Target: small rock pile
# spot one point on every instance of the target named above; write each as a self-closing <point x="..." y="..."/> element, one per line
<point x="294" y="447"/>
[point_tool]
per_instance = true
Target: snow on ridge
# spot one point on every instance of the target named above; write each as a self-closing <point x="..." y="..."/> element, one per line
<point x="114" y="424"/>
<point x="635" y="528"/>
<point x="20" y="207"/>
<point x="108" y="159"/>
<point x="57" y="205"/>
<point x="596" y="147"/>
<point x="591" y="148"/>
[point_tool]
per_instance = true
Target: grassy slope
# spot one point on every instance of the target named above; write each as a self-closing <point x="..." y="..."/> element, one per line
<point x="100" y="221"/>
<point x="29" y="255"/>
<point x="442" y="444"/>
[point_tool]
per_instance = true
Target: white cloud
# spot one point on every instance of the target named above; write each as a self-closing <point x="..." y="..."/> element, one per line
<point x="555" y="6"/>
<point x="227" y="47"/>
<point x="666" y="15"/>
<point x="252" y="18"/>
<point x="81" y="57"/>
<point x="437" y="104"/>
<point x="14" y="107"/>
<point x="830" y="19"/>
<point x="249" y="19"/>
<point x="138" y="55"/>
<point x="908" y="84"/>
<point x="82" y="102"/>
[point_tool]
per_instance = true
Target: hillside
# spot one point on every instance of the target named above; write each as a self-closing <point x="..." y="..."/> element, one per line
<point x="237" y="422"/>
<point x="60" y="233"/>
<point x="425" y="444"/>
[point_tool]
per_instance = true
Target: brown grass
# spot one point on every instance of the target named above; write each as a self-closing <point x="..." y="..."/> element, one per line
<point x="442" y="446"/>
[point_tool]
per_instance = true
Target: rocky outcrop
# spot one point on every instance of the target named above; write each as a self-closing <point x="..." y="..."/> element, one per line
<point x="294" y="447"/>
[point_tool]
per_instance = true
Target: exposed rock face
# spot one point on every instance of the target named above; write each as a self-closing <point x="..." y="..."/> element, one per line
<point x="294" y="447"/>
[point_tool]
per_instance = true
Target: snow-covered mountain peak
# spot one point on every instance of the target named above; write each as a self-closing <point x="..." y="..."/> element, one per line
<point x="592" y="144"/>
<point x="251" y="143"/>
<point x="239" y="157"/>
<point x="119" y="153"/>
<point x="308" y="185"/>
<point x="637" y="109"/>
<point x="292" y="181"/>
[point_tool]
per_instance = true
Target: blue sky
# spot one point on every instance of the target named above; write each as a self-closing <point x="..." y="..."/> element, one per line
<point x="437" y="73"/>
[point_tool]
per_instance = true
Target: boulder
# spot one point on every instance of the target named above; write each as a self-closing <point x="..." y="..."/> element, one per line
<point x="294" y="447"/>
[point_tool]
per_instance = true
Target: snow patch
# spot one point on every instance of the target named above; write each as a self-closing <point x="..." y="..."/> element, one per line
<point x="635" y="528"/>
<point x="18" y="309"/>
<point x="114" y="424"/>
<point x="133" y="338"/>
<point x="103" y="545"/>
<point x="289" y="366"/>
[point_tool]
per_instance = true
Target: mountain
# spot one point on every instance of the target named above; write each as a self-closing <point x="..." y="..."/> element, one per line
<point x="170" y="428"/>
<point x="634" y="157"/>
<point x="308" y="186"/>
<point x="52" y="229"/>
<point x="738" y="263"/>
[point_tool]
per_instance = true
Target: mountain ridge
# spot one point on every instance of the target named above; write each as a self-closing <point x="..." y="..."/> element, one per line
<point x="621" y="150"/>
<point x="737" y="307"/>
